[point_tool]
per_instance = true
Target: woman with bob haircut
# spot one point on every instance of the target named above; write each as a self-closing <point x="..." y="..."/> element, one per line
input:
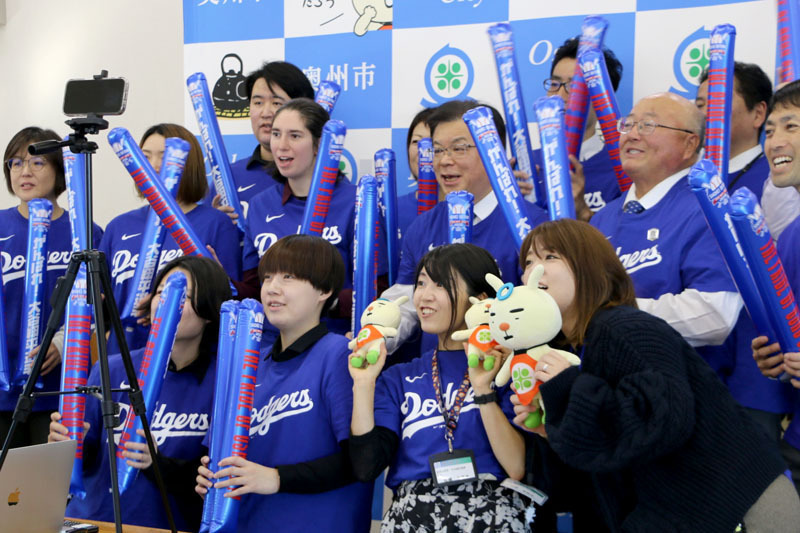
<point x="29" y="177"/>
<point x="297" y="461"/>
<point x="664" y="444"/>
<point x="436" y="409"/>
<point x="181" y="417"/>
<point x="123" y="238"/>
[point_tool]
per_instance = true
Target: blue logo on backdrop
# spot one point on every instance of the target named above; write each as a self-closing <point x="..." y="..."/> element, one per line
<point x="448" y="76"/>
<point x="225" y="20"/>
<point x="362" y="67"/>
<point x="689" y="62"/>
<point x="537" y="40"/>
<point x="425" y="13"/>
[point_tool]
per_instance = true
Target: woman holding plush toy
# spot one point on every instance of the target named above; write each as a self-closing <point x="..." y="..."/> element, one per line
<point x="436" y="422"/>
<point x="665" y="445"/>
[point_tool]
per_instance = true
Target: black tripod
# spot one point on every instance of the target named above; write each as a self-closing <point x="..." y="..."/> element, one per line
<point x="98" y="282"/>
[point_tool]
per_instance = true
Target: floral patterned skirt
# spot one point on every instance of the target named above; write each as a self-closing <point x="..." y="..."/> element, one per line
<point x="482" y="505"/>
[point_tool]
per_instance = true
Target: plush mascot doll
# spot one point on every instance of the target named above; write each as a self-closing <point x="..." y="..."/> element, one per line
<point x="478" y="334"/>
<point x="378" y="321"/>
<point x="524" y="319"/>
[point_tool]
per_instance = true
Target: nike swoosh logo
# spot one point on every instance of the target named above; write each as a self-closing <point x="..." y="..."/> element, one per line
<point x="271" y="218"/>
<point x="6" y="238"/>
<point x="242" y="189"/>
<point x="125" y="236"/>
<point x="415" y="378"/>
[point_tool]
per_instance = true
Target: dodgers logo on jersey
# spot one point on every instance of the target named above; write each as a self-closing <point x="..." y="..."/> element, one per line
<point x="448" y="76"/>
<point x="14" y="266"/>
<point x="278" y="408"/>
<point x="689" y="62"/>
<point x="422" y="413"/>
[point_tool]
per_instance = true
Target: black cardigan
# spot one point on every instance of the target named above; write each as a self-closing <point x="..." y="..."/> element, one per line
<point x="666" y="446"/>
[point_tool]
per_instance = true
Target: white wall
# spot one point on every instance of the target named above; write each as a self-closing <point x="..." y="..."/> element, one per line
<point x="46" y="42"/>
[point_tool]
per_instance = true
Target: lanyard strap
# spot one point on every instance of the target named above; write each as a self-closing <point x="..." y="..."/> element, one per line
<point x="450" y="416"/>
<point x="747" y="167"/>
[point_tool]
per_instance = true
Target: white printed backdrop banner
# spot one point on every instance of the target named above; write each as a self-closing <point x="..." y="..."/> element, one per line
<point x="393" y="58"/>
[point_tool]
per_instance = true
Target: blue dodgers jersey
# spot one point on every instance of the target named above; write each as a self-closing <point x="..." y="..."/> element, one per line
<point x="179" y="424"/>
<point x="405" y="402"/>
<point x="789" y="252"/>
<point x="301" y="412"/>
<point x="753" y="179"/>
<point x="667" y="249"/>
<point x="249" y="182"/>
<point x="600" y="186"/>
<point x="13" y="250"/>
<point x="123" y="239"/>
<point x="431" y="229"/>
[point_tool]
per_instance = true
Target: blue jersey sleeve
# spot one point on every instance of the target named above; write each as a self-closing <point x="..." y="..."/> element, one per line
<point x="388" y="397"/>
<point x="337" y="386"/>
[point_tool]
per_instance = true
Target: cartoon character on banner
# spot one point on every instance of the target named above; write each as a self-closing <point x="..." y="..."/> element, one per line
<point x="372" y="15"/>
<point x="525" y="319"/>
<point x="378" y="321"/>
<point x="230" y="93"/>
<point x="478" y="335"/>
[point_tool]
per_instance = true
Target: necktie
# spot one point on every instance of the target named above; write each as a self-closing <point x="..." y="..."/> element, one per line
<point x="633" y="207"/>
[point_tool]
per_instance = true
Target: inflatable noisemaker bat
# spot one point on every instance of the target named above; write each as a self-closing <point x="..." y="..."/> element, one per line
<point x="767" y="269"/>
<point x="176" y="150"/>
<point x="156" y="193"/>
<point x="427" y="188"/>
<point x="459" y="216"/>
<point x="212" y="144"/>
<point x="386" y="174"/>
<point x="787" y="56"/>
<point x="720" y="95"/>
<point x="227" y="338"/>
<point x="327" y="94"/>
<point x="550" y="116"/>
<point x="516" y="119"/>
<point x="365" y="256"/>
<point x="593" y="32"/>
<point x="76" y="359"/>
<point x="323" y="181"/>
<point x="153" y="368"/>
<point x="39" y="213"/>
<point x="241" y="393"/>
<point x="484" y="133"/>
<point x="604" y="102"/>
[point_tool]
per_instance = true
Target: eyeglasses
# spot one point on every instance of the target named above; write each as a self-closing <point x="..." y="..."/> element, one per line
<point x="552" y="85"/>
<point x="36" y="164"/>
<point x="646" y="127"/>
<point x="457" y="151"/>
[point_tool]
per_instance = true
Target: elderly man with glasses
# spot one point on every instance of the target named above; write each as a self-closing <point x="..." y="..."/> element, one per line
<point x="660" y="233"/>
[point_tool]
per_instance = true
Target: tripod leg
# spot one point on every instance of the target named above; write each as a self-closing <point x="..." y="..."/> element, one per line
<point x="59" y="303"/>
<point x="135" y="394"/>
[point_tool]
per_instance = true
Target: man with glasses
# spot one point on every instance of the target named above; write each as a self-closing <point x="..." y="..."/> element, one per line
<point x="593" y="169"/>
<point x="660" y="233"/>
<point x="458" y="167"/>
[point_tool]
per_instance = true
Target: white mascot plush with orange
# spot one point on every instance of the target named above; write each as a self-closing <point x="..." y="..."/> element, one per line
<point x="378" y="321"/>
<point x="524" y="319"/>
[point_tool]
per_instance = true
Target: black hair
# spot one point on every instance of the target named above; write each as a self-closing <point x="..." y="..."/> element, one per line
<point x="786" y="96"/>
<point x="20" y="142"/>
<point x="421" y="117"/>
<point x="314" y="118"/>
<point x="210" y="287"/>
<point x="455" y="109"/>
<point x="468" y="261"/>
<point x="309" y="258"/>
<point x="752" y="84"/>
<point x="284" y="75"/>
<point x="570" y="50"/>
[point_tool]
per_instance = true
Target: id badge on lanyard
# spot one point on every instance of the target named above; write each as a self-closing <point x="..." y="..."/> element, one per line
<point x="455" y="465"/>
